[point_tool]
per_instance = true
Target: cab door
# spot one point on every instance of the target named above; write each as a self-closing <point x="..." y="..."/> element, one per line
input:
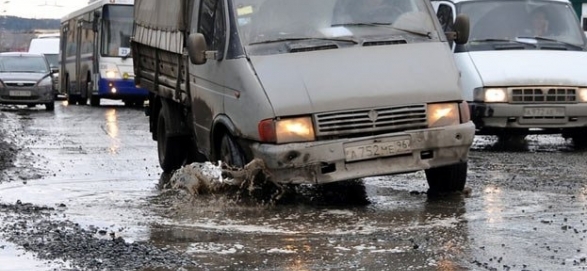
<point x="207" y="81"/>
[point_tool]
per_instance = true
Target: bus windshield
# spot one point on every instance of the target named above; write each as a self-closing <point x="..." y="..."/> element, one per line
<point x="543" y="21"/>
<point x="117" y="23"/>
<point x="263" y="21"/>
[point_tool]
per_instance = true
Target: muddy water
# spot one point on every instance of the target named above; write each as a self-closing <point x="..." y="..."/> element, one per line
<point x="526" y="210"/>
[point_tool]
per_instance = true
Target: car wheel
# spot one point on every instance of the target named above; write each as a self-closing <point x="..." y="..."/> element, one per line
<point x="580" y="140"/>
<point x="446" y="179"/>
<point x="171" y="150"/>
<point x="50" y="106"/>
<point x="230" y="153"/>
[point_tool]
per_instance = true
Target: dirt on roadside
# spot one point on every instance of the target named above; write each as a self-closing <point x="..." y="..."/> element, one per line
<point x="7" y="149"/>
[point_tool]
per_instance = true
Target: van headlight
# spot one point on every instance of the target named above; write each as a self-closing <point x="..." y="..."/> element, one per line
<point x="287" y="130"/>
<point x="582" y="95"/>
<point x="443" y="114"/>
<point x="491" y="95"/>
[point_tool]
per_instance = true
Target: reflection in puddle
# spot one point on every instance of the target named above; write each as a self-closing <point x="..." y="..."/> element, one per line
<point x="493" y="204"/>
<point x="112" y="130"/>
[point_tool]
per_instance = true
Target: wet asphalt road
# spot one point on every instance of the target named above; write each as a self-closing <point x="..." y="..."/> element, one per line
<point x="95" y="171"/>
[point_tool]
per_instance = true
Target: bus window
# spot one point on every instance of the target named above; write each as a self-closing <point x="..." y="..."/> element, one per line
<point x="117" y="30"/>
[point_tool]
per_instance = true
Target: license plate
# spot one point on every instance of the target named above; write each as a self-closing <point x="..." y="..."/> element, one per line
<point x="20" y="93"/>
<point x="544" y="112"/>
<point x="379" y="149"/>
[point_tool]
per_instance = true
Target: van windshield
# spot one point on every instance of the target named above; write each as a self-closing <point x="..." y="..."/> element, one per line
<point x="523" y="21"/>
<point x="262" y="21"/>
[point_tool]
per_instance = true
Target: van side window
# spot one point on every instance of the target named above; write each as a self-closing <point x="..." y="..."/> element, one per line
<point x="212" y="25"/>
<point x="445" y="16"/>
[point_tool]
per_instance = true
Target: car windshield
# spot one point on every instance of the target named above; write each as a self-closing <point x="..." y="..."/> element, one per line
<point x="36" y="64"/>
<point x="517" y="20"/>
<point x="262" y="21"/>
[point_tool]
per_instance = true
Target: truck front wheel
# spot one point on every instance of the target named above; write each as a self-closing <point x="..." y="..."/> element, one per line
<point x="447" y="179"/>
<point x="171" y="149"/>
<point x="230" y="152"/>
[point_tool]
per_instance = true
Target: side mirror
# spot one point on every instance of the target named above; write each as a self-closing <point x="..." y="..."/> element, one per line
<point x="197" y="48"/>
<point x="461" y="27"/>
<point x="97" y="15"/>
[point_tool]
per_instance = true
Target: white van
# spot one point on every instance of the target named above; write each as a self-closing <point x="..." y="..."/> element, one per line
<point x="48" y="45"/>
<point x="521" y="67"/>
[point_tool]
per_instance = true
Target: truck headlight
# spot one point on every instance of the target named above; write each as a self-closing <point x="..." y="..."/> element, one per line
<point x="583" y="95"/>
<point x="491" y="95"/>
<point x="443" y="114"/>
<point x="287" y="130"/>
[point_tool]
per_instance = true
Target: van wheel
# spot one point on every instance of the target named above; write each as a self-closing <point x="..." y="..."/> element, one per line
<point x="50" y="106"/>
<point x="447" y="179"/>
<point x="230" y="153"/>
<point x="171" y="150"/>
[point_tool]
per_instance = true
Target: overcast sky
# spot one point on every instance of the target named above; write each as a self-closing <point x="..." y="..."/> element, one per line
<point x="40" y="9"/>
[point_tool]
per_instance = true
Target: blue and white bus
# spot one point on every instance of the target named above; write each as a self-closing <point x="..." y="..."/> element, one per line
<point x="95" y="54"/>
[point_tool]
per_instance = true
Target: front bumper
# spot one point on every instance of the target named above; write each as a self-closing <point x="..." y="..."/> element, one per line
<point x="125" y="88"/>
<point x="325" y="161"/>
<point x="27" y="95"/>
<point x="516" y="116"/>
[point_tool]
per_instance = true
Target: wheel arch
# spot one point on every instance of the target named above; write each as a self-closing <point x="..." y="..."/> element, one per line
<point x="223" y="125"/>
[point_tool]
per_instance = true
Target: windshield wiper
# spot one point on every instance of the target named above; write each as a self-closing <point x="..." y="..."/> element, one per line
<point x="388" y="25"/>
<point x="497" y="40"/>
<point x="305" y="38"/>
<point x="552" y="40"/>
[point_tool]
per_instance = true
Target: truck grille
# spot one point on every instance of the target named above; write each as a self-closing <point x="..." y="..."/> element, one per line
<point x="544" y="95"/>
<point x="371" y="121"/>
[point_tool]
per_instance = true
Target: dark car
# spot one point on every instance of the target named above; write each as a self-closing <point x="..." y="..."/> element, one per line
<point x="26" y="79"/>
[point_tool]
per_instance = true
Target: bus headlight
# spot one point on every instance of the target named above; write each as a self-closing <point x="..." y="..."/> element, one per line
<point x="583" y="95"/>
<point x="111" y="74"/>
<point x="287" y="130"/>
<point x="443" y="114"/>
<point x="491" y="95"/>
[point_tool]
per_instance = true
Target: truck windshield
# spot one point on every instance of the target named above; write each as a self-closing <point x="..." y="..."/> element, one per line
<point x="117" y="23"/>
<point x="520" y="20"/>
<point x="262" y="21"/>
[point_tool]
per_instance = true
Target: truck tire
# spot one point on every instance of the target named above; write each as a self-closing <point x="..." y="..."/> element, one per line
<point x="447" y="179"/>
<point x="230" y="153"/>
<point x="171" y="149"/>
